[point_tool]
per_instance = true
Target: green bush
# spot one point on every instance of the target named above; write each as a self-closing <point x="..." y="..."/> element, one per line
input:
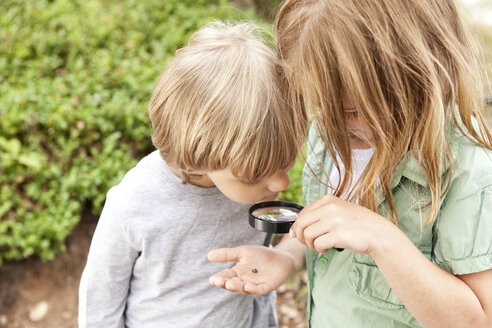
<point x="75" y="76"/>
<point x="294" y="192"/>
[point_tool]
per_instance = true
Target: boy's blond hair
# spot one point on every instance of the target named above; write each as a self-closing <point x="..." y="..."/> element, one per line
<point x="220" y="103"/>
<point x="406" y="66"/>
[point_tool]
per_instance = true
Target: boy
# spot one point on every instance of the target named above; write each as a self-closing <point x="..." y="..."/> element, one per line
<point x="225" y="138"/>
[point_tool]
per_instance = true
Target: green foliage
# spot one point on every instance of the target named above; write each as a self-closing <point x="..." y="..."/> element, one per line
<point x="294" y="192"/>
<point x="74" y="80"/>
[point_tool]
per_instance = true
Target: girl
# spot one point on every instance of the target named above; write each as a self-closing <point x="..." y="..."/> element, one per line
<point x="399" y="168"/>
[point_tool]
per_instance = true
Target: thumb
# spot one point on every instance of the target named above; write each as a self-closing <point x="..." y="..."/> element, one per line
<point x="224" y="255"/>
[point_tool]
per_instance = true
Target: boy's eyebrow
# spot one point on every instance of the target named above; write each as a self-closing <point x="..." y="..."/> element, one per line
<point x="245" y="181"/>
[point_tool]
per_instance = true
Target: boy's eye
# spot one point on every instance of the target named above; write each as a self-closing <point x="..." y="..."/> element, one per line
<point x="249" y="183"/>
<point x="245" y="181"/>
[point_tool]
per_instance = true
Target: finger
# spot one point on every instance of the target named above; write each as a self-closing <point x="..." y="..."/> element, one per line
<point x="298" y="223"/>
<point x="224" y="255"/>
<point x="324" y="242"/>
<point x="257" y="289"/>
<point x="331" y="224"/>
<point x="220" y="278"/>
<point x="313" y="232"/>
<point x="235" y="285"/>
<point x="301" y="224"/>
<point x="217" y="281"/>
<point x="326" y="226"/>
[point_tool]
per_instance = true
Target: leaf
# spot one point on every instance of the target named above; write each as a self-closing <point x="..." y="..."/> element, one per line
<point x="12" y="146"/>
<point x="32" y="160"/>
<point x="5" y="207"/>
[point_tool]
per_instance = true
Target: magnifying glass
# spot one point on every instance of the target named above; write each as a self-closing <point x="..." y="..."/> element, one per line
<point x="274" y="217"/>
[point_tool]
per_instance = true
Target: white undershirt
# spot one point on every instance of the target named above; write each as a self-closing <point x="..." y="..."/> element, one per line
<point x="360" y="159"/>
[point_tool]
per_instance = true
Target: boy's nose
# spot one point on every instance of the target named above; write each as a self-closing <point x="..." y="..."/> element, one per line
<point x="280" y="181"/>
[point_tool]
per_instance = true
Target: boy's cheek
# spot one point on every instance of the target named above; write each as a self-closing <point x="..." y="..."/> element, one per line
<point x="249" y="198"/>
<point x="239" y="196"/>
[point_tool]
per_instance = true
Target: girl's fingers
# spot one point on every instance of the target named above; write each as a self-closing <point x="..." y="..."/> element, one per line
<point x="313" y="232"/>
<point x="312" y="213"/>
<point x="316" y="223"/>
<point x="300" y="224"/>
<point x="324" y="242"/>
<point x="310" y="217"/>
<point x="325" y="227"/>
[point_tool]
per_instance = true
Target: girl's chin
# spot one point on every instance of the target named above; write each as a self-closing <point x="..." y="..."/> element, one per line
<point x="358" y="143"/>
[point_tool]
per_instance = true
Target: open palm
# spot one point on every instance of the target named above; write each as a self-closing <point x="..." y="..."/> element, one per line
<point x="258" y="269"/>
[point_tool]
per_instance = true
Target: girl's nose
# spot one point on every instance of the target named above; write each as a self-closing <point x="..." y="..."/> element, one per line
<point x="280" y="181"/>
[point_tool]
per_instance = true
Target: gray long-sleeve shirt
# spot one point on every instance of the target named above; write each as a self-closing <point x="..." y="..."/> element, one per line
<point x="147" y="264"/>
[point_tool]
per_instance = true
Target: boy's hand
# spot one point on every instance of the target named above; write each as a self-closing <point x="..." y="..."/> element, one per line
<point x="258" y="270"/>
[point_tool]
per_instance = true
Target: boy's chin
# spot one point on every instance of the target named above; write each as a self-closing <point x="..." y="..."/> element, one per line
<point x="253" y="200"/>
<point x="267" y="199"/>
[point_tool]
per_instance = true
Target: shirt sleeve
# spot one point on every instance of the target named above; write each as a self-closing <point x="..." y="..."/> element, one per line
<point x="106" y="277"/>
<point x="463" y="234"/>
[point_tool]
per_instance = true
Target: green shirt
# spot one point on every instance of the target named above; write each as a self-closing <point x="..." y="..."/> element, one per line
<point x="347" y="289"/>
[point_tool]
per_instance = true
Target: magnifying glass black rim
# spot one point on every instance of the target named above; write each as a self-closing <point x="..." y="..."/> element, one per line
<point x="271" y="226"/>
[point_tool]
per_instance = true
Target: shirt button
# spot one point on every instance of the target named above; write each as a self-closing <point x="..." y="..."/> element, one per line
<point x="322" y="260"/>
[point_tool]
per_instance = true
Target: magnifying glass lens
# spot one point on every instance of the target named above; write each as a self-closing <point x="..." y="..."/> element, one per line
<point x="273" y="216"/>
<point x="276" y="214"/>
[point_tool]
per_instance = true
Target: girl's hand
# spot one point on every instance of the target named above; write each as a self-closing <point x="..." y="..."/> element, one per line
<point x="332" y="222"/>
<point x="258" y="269"/>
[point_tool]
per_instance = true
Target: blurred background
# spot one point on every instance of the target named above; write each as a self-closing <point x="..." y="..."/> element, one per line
<point x="75" y="77"/>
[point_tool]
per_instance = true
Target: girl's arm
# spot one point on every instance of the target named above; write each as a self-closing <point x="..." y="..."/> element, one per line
<point x="435" y="297"/>
<point x="258" y="270"/>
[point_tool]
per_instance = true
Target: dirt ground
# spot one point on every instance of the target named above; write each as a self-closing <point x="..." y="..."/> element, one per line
<point x="45" y="291"/>
<point x="34" y="294"/>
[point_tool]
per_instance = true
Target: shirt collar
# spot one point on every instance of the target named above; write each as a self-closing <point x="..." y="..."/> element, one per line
<point x="409" y="166"/>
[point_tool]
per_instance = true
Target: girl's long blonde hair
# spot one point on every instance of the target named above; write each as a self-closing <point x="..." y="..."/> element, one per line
<point x="408" y="66"/>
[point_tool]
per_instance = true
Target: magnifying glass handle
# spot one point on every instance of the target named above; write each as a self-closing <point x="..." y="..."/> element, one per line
<point x="268" y="239"/>
<point x="339" y="249"/>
